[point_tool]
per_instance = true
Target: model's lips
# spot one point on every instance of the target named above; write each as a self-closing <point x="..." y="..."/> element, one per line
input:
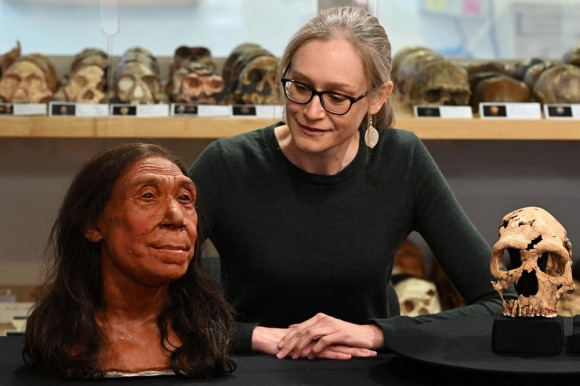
<point x="173" y="248"/>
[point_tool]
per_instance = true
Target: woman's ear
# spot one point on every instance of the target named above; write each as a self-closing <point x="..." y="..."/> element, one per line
<point x="380" y="95"/>
<point x="93" y="234"/>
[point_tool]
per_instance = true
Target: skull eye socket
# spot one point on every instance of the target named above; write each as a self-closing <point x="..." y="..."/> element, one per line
<point x="433" y="95"/>
<point x="216" y="83"/>
<point x="192" y="82"/>
<point x="80" y="81"/>
<point x="11" y="80"/>
<point x="125" y="83"/>
<point x="255" y="76"/>
<point x="150" y="81"/>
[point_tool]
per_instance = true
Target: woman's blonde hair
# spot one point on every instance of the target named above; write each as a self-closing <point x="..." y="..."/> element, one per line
<point x="368" y="38"/>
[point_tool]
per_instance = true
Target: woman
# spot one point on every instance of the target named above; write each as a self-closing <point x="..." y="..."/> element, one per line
<point x="307" y="215"/>
<point x="125" y="292"/>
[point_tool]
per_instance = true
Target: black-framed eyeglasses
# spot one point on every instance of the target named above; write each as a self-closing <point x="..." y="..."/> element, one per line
<point x="333" y="102"/>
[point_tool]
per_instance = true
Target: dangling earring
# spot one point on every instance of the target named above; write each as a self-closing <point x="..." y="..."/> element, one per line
<point x="371" y="135"/>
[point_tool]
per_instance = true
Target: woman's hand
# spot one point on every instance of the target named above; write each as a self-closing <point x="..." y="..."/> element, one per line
<point x="265" y="340"/>
<point x="323" y="336"/>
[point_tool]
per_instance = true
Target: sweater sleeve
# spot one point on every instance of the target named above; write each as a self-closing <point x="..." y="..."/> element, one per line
<point x="206" y="174"/>
<point x="457" y="245"/>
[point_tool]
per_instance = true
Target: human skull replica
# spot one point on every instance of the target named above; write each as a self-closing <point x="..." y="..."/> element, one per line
<point x="250" y="76"/>
<point x="87" y="81"/>
<point x="197" y="83"/>
<point x="257" y="84"/>
<point x="28" y="79"/>
<point x="428" y="79"/>
<point x="137" y="78"/>
<point x="558" y="84"/>
<point x="541" y="259"/>
<point x="193" y="77"/>
<point x="497" y="87"/>
<point x="572" y="56"/>
<point x="86" y="85"/>
<point x="533" y="73"/>
<point x="417" y="296"/>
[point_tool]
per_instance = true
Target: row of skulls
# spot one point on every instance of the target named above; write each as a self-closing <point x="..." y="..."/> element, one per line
<point x="425" y="78"/>
<point x="248" y="77"/>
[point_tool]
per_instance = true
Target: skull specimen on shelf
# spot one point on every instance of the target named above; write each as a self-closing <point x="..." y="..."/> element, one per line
<point x="521" y="67"/>
<point x="195" y="82"/>
<point x="533" y="73"/>
<point x="495" y="87"/>
<point x="87" y="80"/>
<point x="193" y="78"/>
<point x="424" y="77"/>
<point x="409" y="261"/>
<point x="27" y="79"/>
<point x="417" y="296"/>
<point x="569" y="304"/>
<point x="572" y="56"/>
<point x="558" y="84"/>
<point x="137" y="78"/>
<point x="86" y="85"/>
<point x="250" y="75"/>
<point x="405" y="63"/>
<point x="257" y="84"/>
<point x="540" y="256"/>
<point x="402" y="54"/>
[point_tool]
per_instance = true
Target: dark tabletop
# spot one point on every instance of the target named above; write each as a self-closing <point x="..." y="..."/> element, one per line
<point x="386" y="369"/>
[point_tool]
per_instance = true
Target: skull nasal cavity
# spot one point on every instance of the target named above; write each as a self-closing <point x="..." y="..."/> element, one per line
<point x="528" y="284"/>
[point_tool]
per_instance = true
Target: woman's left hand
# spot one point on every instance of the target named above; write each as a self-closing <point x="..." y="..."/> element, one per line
<point x="323" y="336"/>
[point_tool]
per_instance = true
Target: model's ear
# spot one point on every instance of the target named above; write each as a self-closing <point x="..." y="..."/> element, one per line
<point x="379" y="96"/>
<point x="93" y="234"/>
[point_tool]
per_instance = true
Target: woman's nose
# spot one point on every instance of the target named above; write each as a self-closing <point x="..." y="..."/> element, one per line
<point x="314" y="109"/>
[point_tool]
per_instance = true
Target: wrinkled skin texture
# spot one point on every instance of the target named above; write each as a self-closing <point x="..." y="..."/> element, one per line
<point x="538" y="243"/>
<point x="146" y="236"/>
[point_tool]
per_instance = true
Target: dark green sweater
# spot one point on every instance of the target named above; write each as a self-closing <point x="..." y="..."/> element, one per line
<point x="293" y="244"/>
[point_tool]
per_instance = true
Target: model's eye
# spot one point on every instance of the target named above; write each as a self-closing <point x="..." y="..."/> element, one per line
<point x="185" y="197"/>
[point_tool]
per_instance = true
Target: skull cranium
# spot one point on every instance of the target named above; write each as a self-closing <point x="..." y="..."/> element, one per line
<point x="558" y="84"/>
<point x="86" y="85"/>
<point x="195" y="82"/>
<point x="29" y="79"/>
<point x="137" y="78"/>
<point x="427" y="78"/>
<point x="417" y="296"/>
<point x="257" y="82"/>
<point x="541" y="255"/>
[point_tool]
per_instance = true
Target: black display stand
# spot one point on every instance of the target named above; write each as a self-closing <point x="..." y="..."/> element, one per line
<point x="535" y="335"/>
<point x="574" y="340"/>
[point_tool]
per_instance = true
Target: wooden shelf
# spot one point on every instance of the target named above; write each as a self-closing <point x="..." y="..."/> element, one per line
<point x="207" y="128"/>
